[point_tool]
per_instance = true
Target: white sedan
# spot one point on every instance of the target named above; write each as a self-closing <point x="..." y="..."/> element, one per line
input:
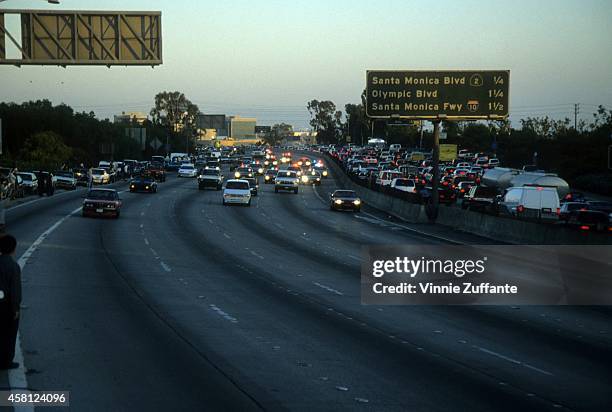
<point x="187" y="170"/>
<point x="237" y="191"/>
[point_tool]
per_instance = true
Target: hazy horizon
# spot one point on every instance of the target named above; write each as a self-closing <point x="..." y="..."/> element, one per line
<point x="268" y="59"/>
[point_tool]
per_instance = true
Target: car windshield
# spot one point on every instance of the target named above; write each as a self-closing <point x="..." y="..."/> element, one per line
<point x="187" y="167"/>
<point x="98" y="171"/>
<point x="210" y="172"/>
<point x="143" y="180"/>
<point x="287" y="173"/>
<point x="25" y="176"/>
<point x="237" y="185"/>
<point x="344" y="193"/>
<point x="64" y="174"/>
<point x="102" y="195"/>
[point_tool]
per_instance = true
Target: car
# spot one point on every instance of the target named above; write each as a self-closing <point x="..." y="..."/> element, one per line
<point x="29" y="182"/>
<point x="65" y="180"/>
<point x="269" y="176"/>
<point x="157" y="171"/>
<point x="463" y="188"/>
<point x="81" y="176"/>
<point x="590" y="220"/>
<point x="243" y="172"/>
<point x="600" y="205"/>
<point x="102" y="202"/>
<point x="568" y="207"/>
<point x="286" y="180"/>
<point x="237" y="191"/>
<point x="210" y="177"/>
<point x="143" y="184"/>
<point x="100" y="176"/>
<point x="531" y="202"/>
<point x="403" y="185"/>
<point x="314" y="177"/>
<point x="345" y="200"/>
<point x="253" y="185"/>
<point x="479" y="198"/>
<point x="319" y="167"/>
<point x="187" y="170"/>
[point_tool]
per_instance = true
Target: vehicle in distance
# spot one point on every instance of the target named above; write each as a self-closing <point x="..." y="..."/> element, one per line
<point x="253" y="185"/>
<point x="530" y="202"/>
<point x="29" y="181"/>
<point x="210" y="177"/>
<point x="237" y="191"/>
<point x="187" y="170"/>
<point x="286" y="180"/>
<point x="143" y="184"/>
<point x="100" y="176"/>
<point x="345" y="200"/>
<point x="102" y="202"/>
<point x="157" y="171"/>
<point x="65" y="180"/>
<point x="269" y="176"/>
<point x="311" y="178"/>
<point x="243" y="171"/>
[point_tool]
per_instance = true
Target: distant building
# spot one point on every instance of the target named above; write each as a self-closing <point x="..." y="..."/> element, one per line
<point x="217" y="122"/>
<point x="242" y="128"/>
<point x="129" y="117"/>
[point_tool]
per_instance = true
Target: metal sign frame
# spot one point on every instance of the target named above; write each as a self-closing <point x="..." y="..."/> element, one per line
<point x="85" y="37"/>
<point x="440" y="116"/>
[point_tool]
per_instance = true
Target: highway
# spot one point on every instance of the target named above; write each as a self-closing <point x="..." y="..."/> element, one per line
<point x="185" y="304"/>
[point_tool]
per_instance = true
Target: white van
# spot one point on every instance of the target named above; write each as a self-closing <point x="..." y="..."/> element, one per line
<point x="394" y="148"/>
<point x="531" y="202"/>
<point x="386" y="176"/>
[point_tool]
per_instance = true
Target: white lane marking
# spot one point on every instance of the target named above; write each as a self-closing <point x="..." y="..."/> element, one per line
<point x="410" y="229"/>
<point x="146" y="241"/>
<point x="223" y="314"/>
<point x="210" y="221"/>
<point x="256" y="254"/>
<point x="41" y="199"/>
<point x="153" y="251"/>
<point x="511" y="360"/>
<point x="17" y="377"/>
<point x="327" y="288"/>
<point x="141" y="225"/>
<point x="166" y="267"/>
<point x="227" y="236"/>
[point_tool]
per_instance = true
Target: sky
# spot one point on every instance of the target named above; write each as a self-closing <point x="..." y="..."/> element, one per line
<point x="267" y="59"/>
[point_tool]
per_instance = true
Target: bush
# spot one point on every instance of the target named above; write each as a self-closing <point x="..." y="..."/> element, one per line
<point x="596" y="183"/>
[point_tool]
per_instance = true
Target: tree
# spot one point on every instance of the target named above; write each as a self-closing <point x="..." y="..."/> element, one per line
<point x="277" y="133"/>
<point x="174" y="111"/>
<point x="45" y="150"/>
<point x="325" y="120"/>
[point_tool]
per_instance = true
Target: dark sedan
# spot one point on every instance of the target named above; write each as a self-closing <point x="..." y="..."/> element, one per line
<point x="345" y="200"/>
<point x="143" y="184"/>
<point x="102" y="202"/>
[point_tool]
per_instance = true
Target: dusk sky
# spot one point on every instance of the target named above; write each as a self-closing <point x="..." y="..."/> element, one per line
<point x="267" y="59"/>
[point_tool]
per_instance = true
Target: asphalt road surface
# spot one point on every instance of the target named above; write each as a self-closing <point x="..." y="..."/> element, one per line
<point x="185" y="304"/>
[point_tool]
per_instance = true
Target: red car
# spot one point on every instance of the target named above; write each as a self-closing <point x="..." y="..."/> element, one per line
<point x="102" y="202"/>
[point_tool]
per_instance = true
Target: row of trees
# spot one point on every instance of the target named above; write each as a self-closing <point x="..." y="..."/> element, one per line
<point x="37" y="134"/>
<point x="578" y="154"/>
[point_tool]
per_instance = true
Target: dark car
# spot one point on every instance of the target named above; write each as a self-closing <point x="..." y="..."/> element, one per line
<point x="253" y="185"/>
<point x="243" y="172"/>
<point x="600" y="205"/>
<point x="66" y="180"/>
<point x="102" y="202"/>
<point x="143" y="184"/>
<point x="480" y="198"/>
<point x="269" y="176"/>
<point x="589" y="220"/>
<point x="345" y="200"/>
<point x="81" y="176"/>
<point x="568" y="207"/>
<point x="157" y="171"/>
<point x="446" y="194"/>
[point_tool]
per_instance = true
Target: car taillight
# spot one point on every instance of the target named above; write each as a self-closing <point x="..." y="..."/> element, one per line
<point x="558" y="211"/>
<point x="584" y="227"/>
<point x="520" y="209"/>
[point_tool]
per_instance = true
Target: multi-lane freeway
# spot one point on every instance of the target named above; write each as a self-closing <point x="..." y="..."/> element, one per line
<point x="186" y="304"/>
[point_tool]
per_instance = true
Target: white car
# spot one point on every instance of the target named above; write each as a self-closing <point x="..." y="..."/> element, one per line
<point x="404" y="185"/>
<point x="187" y="170"/>
<point x="100" y="176"/>
<point x="29" y="181"/>
<point x="237" y="191"/>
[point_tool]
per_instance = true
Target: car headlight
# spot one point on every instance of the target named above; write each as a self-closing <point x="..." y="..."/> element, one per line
<point x="267" y="178"/>
<point x="357" y="202"/>
<point x="275" y="163"/>
<point x="147" y="187"/>
<point x="237" y="175"/>
<point x="260" y="170"/>
<point x="133" y="187"/>
<point x="308" y="163"/>
<point x="304" y="179"/>
<point x="338" y="201"/>
<point x="324" y="172"/>
<point x="295" y="182"/>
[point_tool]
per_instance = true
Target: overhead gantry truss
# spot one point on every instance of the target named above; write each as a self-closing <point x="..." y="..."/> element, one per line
<point x="64" y="38"/>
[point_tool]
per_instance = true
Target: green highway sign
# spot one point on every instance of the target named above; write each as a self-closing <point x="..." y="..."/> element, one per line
<point x="474" y="94"/>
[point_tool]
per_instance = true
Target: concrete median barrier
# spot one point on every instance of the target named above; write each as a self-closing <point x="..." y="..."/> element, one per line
<point x="489" y="226"/>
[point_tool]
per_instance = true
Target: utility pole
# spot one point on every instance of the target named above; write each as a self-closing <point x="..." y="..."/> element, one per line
<point x="432" y="211"/>
<point x="576" y="110"/>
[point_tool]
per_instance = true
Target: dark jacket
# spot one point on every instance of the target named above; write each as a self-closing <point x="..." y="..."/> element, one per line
<point x="10" y="282"/>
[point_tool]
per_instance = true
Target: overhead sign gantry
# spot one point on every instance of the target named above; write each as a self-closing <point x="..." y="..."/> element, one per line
<point x="78" y="37"/>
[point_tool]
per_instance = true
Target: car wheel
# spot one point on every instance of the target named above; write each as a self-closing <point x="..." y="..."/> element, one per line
<point x="248" y="204"/>
<point x="218" y="187"/>
<point x="275" y="190"/>
<point x="224" y="203"/>
<point x="295" y="191"/>
<point x="117" y="214"/>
